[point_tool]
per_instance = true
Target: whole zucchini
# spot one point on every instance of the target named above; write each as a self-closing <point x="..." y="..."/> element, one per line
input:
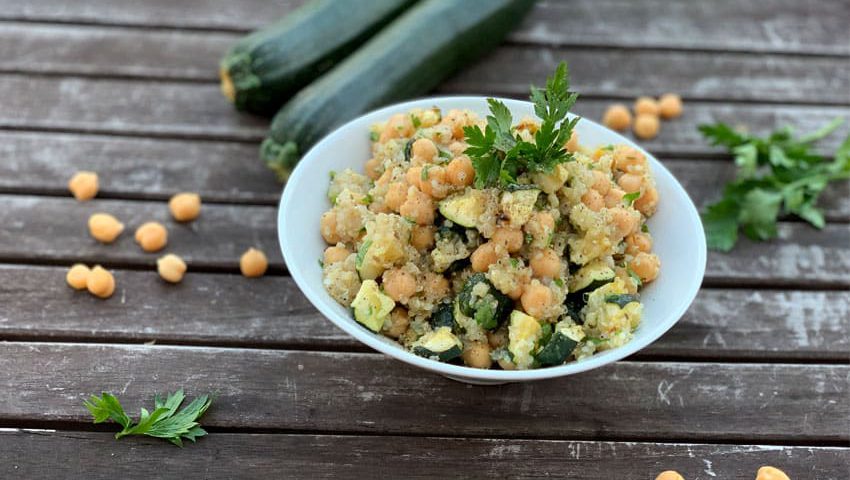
<point x="269" y="65"/>
<point x="408" y="58"/>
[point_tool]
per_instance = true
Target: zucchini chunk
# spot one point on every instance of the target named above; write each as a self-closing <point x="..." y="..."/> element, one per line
<point x="518" y="204"/>
<point x="443" y="316"/>
<point x="591" y="276"/>
<point x="440" y="343"/>
<point x="622" y="299"/>
<point x="524" y="332"/>
<point x="465" y="208"/>
<point x="371" y="306"/>
<point x="480" y="300"/>
<point x="560" y="346"/>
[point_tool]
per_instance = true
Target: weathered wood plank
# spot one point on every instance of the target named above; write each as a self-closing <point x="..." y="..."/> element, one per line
<point x="359" y="392"/>
<point x="812" y="27"/>
<point x="135" y="167"/>
<point x="44" y="229"/>
<point x="141" y="107"/>
<point x="596" y="72"/>
<point x="55" y="232"/>
<point x="211" y="309"/>
<point x="81" y="455"/>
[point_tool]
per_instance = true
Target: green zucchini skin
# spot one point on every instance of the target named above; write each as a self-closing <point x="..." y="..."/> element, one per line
<point x="264" y="68"/>
<point x="408" y="58"/>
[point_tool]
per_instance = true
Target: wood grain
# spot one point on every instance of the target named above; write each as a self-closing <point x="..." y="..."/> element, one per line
<point x="213" y="309"/>
<point x="187" y="110"/>
<point x="79" y="455"/>
<point x="361" y="392"/>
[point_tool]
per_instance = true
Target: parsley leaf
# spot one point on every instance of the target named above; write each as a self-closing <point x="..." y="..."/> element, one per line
<point x="630" y="198"/>
<point x="499" y="155"/>
<point x="777" y="175"/>
<point x="166" y="421"/>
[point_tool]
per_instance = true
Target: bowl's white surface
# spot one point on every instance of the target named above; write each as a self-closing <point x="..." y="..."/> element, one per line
<point x="676" y="229"/>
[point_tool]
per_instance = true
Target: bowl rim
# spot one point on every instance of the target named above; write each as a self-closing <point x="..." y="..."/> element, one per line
<point x="387" y="347"/>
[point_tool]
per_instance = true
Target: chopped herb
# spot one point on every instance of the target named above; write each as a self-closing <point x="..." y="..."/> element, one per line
<point x="321" y="263"/>
<point x="559" y="282"/>
<point x="415" y="120"/>
<point x="595" y="340"/>
<point x="777" y="175"/>
<point x="514" y="262"/>
<point x="374" y="136"/>
<point x="608" y="147"/>
<point x="367" y="199"/>
<point x="550" y="238"/>
<point x="528" y="238"/>
<point x="629" y="198"/>
<point x="499" y="155"/>
<point x="332" y="174"/>
<point x="635" y="277"/>
<point x="424" y="174"/>
<point x="410" y="220"/>
<point x="361" y="253"/>
<point x="621" y="299"/>
<point x="444" y="154"/>
<point x="644" y="228"/>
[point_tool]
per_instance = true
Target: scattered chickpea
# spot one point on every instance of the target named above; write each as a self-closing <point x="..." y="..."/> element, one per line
<point x="373" y="168"/>
<point x="669" y="475"/>
<point x="648" y="202"/>
<point x="83" y="185"/>
<point x="457" y="148"/>
<point x="510" y="238"/>
<point x="413" y="176"/>
<point x="422" y="237"/>
<point x="327" y="225"/>
<point x="625" y="221"/>
<point x="629" y="159"/>
<point x="572" y="143"/>
<point x="617" y="117"/>
<point x="253" y="263"/>
<point x="601" y="182"/>
<point x="185" y="206"/>
<point x="638" y="242"/>
<point x="171" y="268"/>
<point x="771" y="473"/>
<point x="536" y="299"/>
<point x="433" y="182"/>
<point x="399" y="125"/>
<point x="151" y="236"/>
<point x="399" y="321"/>
<point x="484" y="256"/>
<point x="335" y="254"/>
<point x="645" y="265"/>
<point x="614" y="197"/>
<point x="396" y="196"/>
<point x="545" y="263"/>
<point x="399" y="285"/>
<point x="646" y="126"/>
<point x="646" y="106"/>
<point x="104" y="227"/>
<point x="100" y="282"/>
<point x="630" y="182"/>
<point x="418" y="207"/>
<point x="424" y="149"/>
<point x="477" y="355"/>
<point x="670" y="106"/>
<point x="593" y="199"/>
<point x="497" y="338"/>
<point x="77" y="276"/>
<point x="459" y="172"/>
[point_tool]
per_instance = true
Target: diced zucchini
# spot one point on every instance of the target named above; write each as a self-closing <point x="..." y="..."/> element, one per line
<point x="480" y="300"/>
<point x="518" y="205"/>
<point x="552" y="181"/>
<point x="466" y="208"/>
<point x="371" y="306"/>
<point x="591" y="276"/>
<point x="561" y="345"/>
<point x="440" y="343"/>
<point x="524" y="332"/>
<point x="450" y="252"/>
<point x="622" y="299"/>
<point x="366" y="262"/>
<point x="443" y="316"/>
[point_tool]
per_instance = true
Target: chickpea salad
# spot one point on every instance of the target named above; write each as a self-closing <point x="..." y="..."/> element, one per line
<point x="489" y="242"/>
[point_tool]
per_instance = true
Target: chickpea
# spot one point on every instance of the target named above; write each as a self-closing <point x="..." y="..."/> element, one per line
<point x="418" y="207"/>
<point x="593" y="199"/>
<point x="185" y="206"/>
<point x="456" y="120"/>
<point x="77" y="276"/>
<point x="151" y="236"/>
<point x="614" y="197"/>
<point x="617" y="117"/>
<point x="670" y="106"/>
<point x="601" y="182"/>
<point x="516" y="293"/>
<point x="436" y="284"/>
<point x="399" y="285"/>
<point x="396" y="196"/>
<point x="648" y="202"/>
<point x="646" y="126"/>
<point x="328" y="227"/>
<point x="624" y="221"/>
<point x="506" y="364"/>
<point x="572" y="143"/>
<point x="104" y="227"/>
<point x="253" y="263"/>
<point x="638" y="242"/>
<point x="771" y="473"/>
<point x="497" y="338"/>
<point x="536" y="299"/>
<point x="457" y="148"/>
<point x="645" y="266"/>
<point x="83" y="185"/>
<point x="459" y="172"/>
<point x="385" y="178"/>
<point x="540" y="226"/>
<point x="399" y="125"/>
<point x="335" y="254"/>
<point x="545" y="263"/>
<point x="510" y="238"/>
<point x="399" y="321"/>
<point x="433" y="182"/>
<point x="424" y="149"/>
<point x="669" y="475"/>
<point x="373" y="168"/>
<point x="100" y="282"/>
<point x="171" y="268"/>
<point x="413" y="176"/>
<point x="422" y="237"/>
<point x="646" y="106"/>
<point x="484" y="256"/>
<point x="477" y="355"/>
<point x="630" y="182"/>
<point x="628" y="159"/>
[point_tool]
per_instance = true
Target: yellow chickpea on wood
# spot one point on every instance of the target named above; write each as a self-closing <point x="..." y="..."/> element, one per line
<point x="104" y="227"/>
<point x="617" y="117"/>
<point x="171" y="268"/>
<point x="185" y="206"/>
<point x="770" y="473"/>
<point x="253" y="263"/>
<point x="151" y="236"/>
<point x="83" y="185"/>
<point x="646" y="106"/>
<point x="646" y="126"/>
<point x="669" y="475"/>
<point x="100" y="282"/>
<point x="670" y="106"/>
<point x="77" y="276"/>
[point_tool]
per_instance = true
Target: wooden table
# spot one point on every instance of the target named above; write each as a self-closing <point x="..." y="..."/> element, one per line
<point x="757" y="372"/>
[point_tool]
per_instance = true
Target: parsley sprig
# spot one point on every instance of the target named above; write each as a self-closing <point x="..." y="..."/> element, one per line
<point x="164" y="422"/>
<point x="777" y="175"/>
<point x="499" y="155"/>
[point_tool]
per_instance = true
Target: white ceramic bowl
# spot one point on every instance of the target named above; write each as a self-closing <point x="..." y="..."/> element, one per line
<point x="676" y="230"/>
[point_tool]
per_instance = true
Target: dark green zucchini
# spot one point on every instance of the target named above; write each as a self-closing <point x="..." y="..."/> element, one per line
<point x="266" y="67"/>
<point x="408" y="58"/>
<point x="559" y="347"/>
<point x="439" y="343"/>
<point x="622" y="299"/>
<point x="487" y="305"/>
<point x="443" y="315"/>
